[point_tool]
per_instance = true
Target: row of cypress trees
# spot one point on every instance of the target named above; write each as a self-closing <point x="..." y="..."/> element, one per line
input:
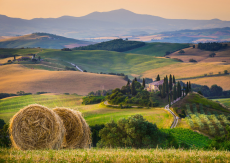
<point x="171" y="89"/>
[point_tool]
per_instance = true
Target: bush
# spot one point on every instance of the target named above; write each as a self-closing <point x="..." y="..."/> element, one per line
<point x="92" y="99"/>
<point x="192" y="60"/>
<point x="4" y="136"/>
<point x="95" y="133"/>
<point x="133" y="132"/>
<point x="181" y="51"/>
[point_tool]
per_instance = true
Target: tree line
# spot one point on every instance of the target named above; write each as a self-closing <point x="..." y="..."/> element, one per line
<point x="118" y="45"/>
<point x="211" y="46"/>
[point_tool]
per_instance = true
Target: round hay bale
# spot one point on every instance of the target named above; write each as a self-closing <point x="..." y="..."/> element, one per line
<point x="77" y="130"/>
<point x="36" y="127"/>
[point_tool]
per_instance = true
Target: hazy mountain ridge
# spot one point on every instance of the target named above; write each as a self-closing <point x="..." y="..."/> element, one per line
<point x="97" y="24"/>
<point x="43" y="40"/>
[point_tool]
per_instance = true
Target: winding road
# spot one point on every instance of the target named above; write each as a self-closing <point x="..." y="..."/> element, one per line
<point x="75" y="66"/>
<point x="175" y="121"/>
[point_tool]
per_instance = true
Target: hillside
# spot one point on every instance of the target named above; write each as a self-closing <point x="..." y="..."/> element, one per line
<point x="202" y="114"/>
<point x="16" y="77"/>
<point x="118" y="45"/>
<point x="203" y="55"/>
<point x="43" y="40"/>
<point x="158" y="49"/>
<point x="108" y="61"/>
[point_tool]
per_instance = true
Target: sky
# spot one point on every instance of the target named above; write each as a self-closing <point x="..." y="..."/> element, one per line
<point x="172" y="9"/>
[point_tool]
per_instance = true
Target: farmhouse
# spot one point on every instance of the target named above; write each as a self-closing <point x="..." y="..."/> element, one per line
<point x="155" y="85"/>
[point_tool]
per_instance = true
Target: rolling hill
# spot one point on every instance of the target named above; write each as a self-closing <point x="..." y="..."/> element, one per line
<point x="15" y="77"/>
<point x="157" y="49"/>
<point x="203" y="55"/>
<point x="109" y="61"/>
<point x="42" y="40"/>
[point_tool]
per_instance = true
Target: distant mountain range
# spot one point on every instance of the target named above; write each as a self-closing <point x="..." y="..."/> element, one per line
<point x="43" y="40"/>
<point x="99" y="24"/>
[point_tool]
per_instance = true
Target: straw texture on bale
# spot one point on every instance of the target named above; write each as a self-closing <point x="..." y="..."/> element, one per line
<point x="36" y="127"/>
<point x="77" y="130"/>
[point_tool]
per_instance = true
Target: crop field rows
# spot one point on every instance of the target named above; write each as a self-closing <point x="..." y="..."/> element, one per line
<point x="207" y="121"/>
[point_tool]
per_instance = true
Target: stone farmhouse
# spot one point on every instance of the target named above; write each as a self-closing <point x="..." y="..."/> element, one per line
<point x="155" y="85"/>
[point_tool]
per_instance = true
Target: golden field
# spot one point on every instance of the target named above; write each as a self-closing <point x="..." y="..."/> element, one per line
<point x="222" y="81"/>
<point x="16" y="77"/>
<point x="203" y="56"/>
<point x="186" y="70"/>
<point x="114" y="155"/>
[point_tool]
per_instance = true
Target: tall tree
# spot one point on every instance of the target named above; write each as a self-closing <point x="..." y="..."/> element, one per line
<point x="163" y="91"/>
<point x="174" y="92"/>
<point x="170" y="82"/>
<point x="174" y="81"/>
<point x="128" y="83"/>
<point x="133" y="90"/>
<point x="135" y="79"/>
<point x="158" y="78"/>
<point x="143" y="82"/>
<point x="187" y="88"/>
<point x="167" y="84"/>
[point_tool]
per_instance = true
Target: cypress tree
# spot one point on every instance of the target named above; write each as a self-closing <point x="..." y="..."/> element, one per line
<point x="135" y="79"/>
<point x="133" y="90"/>
<point x="163" y="90"/>
<point x="189" y="85"/>
<point x="158" y="78"/>
<point x="174" y="81"/>
<point x="167" y="84"/>
<point x="187" y="89"/>
<point x="169" y="102"/>
<point x="128" y="83"/>
<point x="174" y="93"/>
<point x="143" y="82"/>
<point x="170" y="82"/>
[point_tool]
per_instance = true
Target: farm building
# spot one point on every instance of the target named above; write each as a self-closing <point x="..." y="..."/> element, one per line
<point x="155" y="85"/>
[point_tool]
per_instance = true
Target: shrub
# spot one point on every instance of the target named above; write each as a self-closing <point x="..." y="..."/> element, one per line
<point x="133" y="132"/>
<point x="181" y="51"/>
<point x="192" y="60"/>
<point x="95" y="133"/>
<point x="4" y="136"/>
<point x="92" y="99"/>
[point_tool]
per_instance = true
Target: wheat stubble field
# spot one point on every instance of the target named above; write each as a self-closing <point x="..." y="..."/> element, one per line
<point x="16" y="77"/>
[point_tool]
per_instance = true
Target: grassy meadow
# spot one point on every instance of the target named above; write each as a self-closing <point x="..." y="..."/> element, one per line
<point x="94" y="114"/>
<point x="108" y="61"/>
<point x="225" y="101"/>
<point x="157" y="49"/>
<point x="114" y="155"/>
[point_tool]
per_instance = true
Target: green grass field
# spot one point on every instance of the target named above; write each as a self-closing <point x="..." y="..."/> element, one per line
<point x="94" y="114"/>
<point x="225" y="101"/>
<point x="157" y="49"/>
<point x="108" y="61"/>
<point x="114" y="155"/>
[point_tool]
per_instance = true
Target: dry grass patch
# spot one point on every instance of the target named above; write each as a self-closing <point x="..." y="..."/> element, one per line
<point x="184" y="70"/>
<point x="203" y="56"/>
<point x="115" y="155"/>
<point x="16" y="78"/>
<point x="222" y="81"/>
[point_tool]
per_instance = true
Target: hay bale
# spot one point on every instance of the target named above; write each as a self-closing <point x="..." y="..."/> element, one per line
<point x="77" y="130"/>
<point x="36" y="127"/>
